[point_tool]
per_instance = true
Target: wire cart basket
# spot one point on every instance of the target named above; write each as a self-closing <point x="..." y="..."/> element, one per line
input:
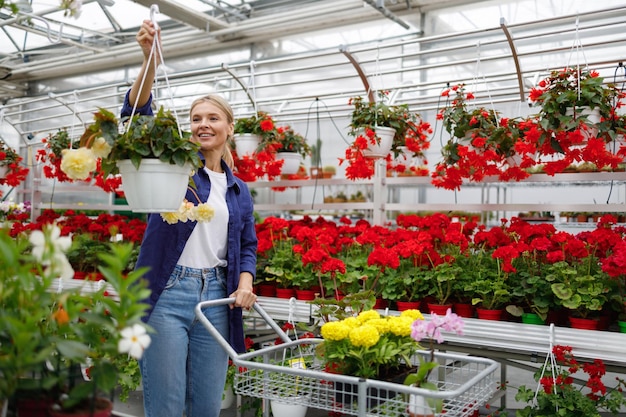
<point x="291" y="373"/>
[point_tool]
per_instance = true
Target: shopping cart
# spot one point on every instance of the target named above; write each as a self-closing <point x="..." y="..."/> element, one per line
<point x="291" y="373"/>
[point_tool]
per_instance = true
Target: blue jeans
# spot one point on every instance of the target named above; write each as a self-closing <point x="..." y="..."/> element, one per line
<point x="184" y="368"/>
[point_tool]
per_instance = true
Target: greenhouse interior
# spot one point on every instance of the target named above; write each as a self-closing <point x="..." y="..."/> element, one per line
<point x="419" y="208"/>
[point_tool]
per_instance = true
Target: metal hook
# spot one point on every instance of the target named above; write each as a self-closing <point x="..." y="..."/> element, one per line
<point x="48" y="29"/>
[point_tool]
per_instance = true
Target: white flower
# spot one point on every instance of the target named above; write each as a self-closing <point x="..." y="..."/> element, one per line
<point x="49" y="249"/>
<point x="100" y="148"/>
<point x="134" y="341"/>
<point x="202" y="212"/>
<point x="78" y="163"/>
<point x="187" y="211"/>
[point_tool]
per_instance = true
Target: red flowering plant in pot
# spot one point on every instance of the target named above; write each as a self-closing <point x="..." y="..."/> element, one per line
<point x="482" y="143"/>
<point x="12" y="173"/>
<point x="557" y="395"/>
<point x="576" y="119"/>
<point x="408" y="133"/>
<point x="259" y="160"/>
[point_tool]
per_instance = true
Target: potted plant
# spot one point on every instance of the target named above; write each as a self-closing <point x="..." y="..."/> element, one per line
<point x="372" y="346"/>
<point x="316" y="159"/>
<point x="379" y="129"/>
<point x="481" y="143"/>
<point x="291" y="148"/>
<point x="582" y="287"/>
<point x="557" y="394"/>
<point x="12" y="173"/>
<point x="329" y="171"/>
<point x="154" y="157"/>
<point x="68" y="327"/>
<point x="250" y="132"/>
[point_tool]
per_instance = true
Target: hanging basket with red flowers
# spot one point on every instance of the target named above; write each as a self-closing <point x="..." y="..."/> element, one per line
<point x="482" y="143"/>
<point x="369" y="125"/>
<point x="12" y="173"/>
<point x="254" y="148"/>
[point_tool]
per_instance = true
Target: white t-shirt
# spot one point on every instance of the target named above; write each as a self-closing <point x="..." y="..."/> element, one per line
<point x="208" y="243"/>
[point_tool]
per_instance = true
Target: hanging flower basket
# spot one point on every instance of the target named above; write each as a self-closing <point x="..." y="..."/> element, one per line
<point x="291" y="162"/>
<point x="155" y="186"/>
<point x="384" y="142"/>
<point x="246" y="144"/>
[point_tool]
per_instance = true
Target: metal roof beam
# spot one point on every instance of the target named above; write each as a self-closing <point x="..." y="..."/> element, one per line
<point x="186" y="15"/>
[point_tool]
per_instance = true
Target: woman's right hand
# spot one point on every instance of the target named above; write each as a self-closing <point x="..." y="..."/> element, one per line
<point x="145" y="39"/>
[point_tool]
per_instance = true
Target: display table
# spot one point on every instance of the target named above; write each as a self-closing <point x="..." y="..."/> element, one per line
<point x="496" y="339"/>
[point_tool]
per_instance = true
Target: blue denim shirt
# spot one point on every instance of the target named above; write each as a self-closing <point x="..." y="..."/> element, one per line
<point x="163" y="243"/>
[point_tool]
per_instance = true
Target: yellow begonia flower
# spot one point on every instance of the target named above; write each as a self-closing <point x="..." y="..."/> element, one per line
<point x="365" y="336"/>
<point x="335" y="330"/>
<point x="100" y="148"/>
<point x="78" y="164"/>
<point x="170" y="217"/>
<point x="202" y="212"/>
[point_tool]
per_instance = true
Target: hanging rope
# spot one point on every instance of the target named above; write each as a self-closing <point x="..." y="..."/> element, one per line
<point x="551" y="360"/>
<point x="253" y="87"/>
<point x="577" y="47"/>
<point x="156" y="47"/>
<point x="478" y="73"/>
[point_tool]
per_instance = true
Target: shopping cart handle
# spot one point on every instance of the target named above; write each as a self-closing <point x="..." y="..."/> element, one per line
<point x="217" y="335"/>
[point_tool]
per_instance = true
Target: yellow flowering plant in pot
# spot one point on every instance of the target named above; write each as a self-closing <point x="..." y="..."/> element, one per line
<point x="368" y="345"/>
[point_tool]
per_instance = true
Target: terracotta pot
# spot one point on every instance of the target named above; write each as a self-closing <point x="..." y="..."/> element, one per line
<point x="486" y="314"/>
<point x="285" y="292"/>
<point x="466" y="310"/>
<point x="266" y="290"/>
<point x="408" y="305"/>
<point x="439" y="309"/>
<point x="584" y="324"/>
<point x="305" y="295"/>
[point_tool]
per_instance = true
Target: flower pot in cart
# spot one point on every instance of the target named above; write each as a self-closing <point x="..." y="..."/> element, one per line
<point x="418" y="406"/>
<point x="385" y="140"/>
<point x="291" y="162"/>
<point x="156" y="186"/>
<point x="246" y="144"/>
<point x="287" y="409"/>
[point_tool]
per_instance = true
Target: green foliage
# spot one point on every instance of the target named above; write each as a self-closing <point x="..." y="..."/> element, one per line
<point x="66" y="327"/>
<point x="155" y="137"/>
<point x="582" y="288"/>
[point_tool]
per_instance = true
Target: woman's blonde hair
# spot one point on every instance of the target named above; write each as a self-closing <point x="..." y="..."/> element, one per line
<point x="224" y="106"/>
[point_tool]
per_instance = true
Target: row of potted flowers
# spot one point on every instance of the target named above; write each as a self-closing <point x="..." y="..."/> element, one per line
<point x="518" y="266"/>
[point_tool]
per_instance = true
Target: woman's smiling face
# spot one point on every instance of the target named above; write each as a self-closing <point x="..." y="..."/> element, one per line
<point x="210" y="126"/>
